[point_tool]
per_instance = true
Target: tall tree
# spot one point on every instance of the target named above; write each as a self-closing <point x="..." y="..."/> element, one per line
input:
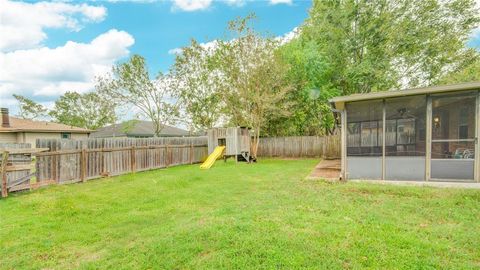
<point x="90" y="110"/>
<point x="360" y="46"/>
<point x="379" y="45"/>
<point x="310" y="74"/>
<point x="198" y="85"/>
<point x="130" y="84"/>
<point x="30" y="109"/>
<point x="253" y="78"/>
<point x="469" y="73"/>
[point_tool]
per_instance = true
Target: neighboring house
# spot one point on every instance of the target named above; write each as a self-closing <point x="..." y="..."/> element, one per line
<point x="17" y="130"/>
<point x="136" y="129"/>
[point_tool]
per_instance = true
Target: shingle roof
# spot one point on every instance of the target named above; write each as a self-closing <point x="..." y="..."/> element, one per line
<point x="140" y="128"/>
<point x="22" y="125"/>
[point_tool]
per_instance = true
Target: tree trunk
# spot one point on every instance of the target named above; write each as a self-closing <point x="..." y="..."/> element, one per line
<point x="256" y="141"/>
<point x="158" y="128"/>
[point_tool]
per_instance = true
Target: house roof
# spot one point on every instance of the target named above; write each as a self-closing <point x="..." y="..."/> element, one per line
<point x="25" y="125"/>
<point x="340" y="101"/>
<point x="139" y="128"/>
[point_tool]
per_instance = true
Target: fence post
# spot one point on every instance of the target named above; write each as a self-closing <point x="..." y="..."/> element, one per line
<point x="4" y="174"/>
<point x="301" y="146"/>
<point x="167" y="155"/>
<point x="324" y="147"/>
<point x="54" y="168"/>
<point x="191" y="153"/>
<point x="133" y="159"/>
<point x="102" y="162"/>
<point x="167" y="161"/>
<point x="83" y="162"/>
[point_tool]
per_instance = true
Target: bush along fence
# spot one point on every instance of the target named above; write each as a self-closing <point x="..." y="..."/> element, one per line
<point x="300" y="146"/>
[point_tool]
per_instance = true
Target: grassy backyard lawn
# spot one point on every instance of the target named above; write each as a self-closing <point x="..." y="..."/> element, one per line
<point x="264" y="215"/>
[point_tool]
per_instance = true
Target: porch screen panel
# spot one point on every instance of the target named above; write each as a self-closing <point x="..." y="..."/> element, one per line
<point x="405" y="138"/>
<point x="364" y="139"/>
<point x="453" y="135"/>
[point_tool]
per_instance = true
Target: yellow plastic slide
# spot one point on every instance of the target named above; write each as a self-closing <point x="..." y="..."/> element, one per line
<point x="213" y="157"/>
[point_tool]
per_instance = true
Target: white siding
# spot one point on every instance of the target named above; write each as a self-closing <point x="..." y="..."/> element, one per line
<point x="31" y="137"/>
<point x="8" y="137"/>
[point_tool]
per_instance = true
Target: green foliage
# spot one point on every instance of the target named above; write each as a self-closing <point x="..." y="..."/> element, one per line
<point x="310" y="73"/>
<point x="129" y="125"/>
<point x="198" y="85"/>
<point x="261" y="216"/>
<point x="361" y="46"/>
<point x="29" y="109"/>
<point x="130" y="84"/>
<point x="469" y="73"/>
<point x="254" y="78"/>
<point x="379" y="45"/>
<point x="90" y="110"/>
<point x="241" y="81"/>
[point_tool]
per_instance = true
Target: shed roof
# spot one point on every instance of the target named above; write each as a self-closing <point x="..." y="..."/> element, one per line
<point x="338" y="102"/>
<point x="26" y="125"/>
<point x="139" y="128"/>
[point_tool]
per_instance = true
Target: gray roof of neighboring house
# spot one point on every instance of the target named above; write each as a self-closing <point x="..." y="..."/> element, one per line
<point x="141" y="128"/>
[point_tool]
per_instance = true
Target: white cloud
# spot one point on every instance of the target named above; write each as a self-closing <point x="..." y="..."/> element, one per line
<point x="133" y="1"/>
<point x="50" y="72"/>
<point x="175" y="51"/>
<point x="475" y="33"/>
<point x="288" y="36"/>
<point x="191" y="5"/>
<point x="236" y="3"/>
<point x="276" y="2"/>
<point x="23" y="24"/>
<point x="211" y="45"/>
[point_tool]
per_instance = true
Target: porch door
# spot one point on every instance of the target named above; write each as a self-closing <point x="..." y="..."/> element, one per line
<point x="453" y="136"/>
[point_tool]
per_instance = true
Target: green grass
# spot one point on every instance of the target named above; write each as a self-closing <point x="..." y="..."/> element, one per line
<point x="264" y="215"/>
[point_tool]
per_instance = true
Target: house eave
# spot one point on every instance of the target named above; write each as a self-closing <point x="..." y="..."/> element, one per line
<point x="44" y="131"/>
<point x="339" y="102"/>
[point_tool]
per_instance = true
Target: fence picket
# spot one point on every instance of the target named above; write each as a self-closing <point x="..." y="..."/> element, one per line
<point x="72" y="161"/>
<point x="300" y="146"/>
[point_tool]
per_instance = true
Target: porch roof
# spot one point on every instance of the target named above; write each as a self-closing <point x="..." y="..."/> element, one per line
<point x="339" y="102"/>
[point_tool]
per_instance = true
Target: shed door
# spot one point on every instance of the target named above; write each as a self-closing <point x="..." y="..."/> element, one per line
<point x="453" y="143"/>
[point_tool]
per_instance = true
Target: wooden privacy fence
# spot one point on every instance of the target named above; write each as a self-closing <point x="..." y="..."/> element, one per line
<point x="73" y="161"/>
<point x="16" y="167"/>
<point x="70" y="161"/>
<point x="300" y="146"/>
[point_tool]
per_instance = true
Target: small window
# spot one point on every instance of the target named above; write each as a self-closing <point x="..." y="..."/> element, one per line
<point x="66" y="135"/>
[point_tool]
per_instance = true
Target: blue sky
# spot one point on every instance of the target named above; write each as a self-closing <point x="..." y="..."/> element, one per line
<point x="158" y="28"/>
<point x="48" y="48"/>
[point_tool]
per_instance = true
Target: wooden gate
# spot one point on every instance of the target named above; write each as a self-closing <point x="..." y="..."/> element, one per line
<point x="16" y="167"/>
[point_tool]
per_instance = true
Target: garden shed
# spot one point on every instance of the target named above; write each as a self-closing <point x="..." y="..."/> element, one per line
<point x="423" y="134"/>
